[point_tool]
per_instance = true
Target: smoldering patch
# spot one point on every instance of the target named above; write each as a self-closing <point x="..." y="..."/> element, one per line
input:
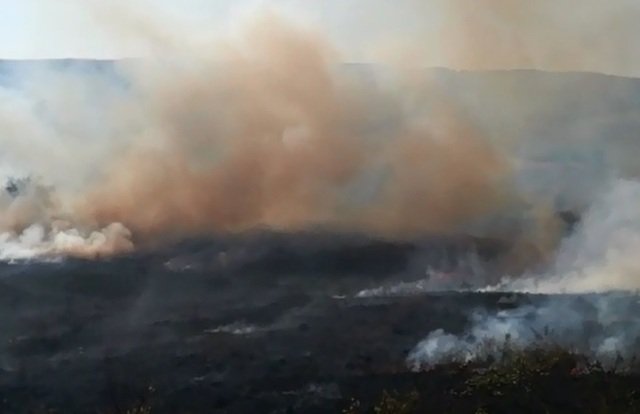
<point x="601" y="326"/>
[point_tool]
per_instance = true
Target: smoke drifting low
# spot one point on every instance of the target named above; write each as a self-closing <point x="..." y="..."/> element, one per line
<point x="33" y="230"/>
<point x="599" y="255"/>
<point x="601" y="326"/>
<point x="596" y="269"/>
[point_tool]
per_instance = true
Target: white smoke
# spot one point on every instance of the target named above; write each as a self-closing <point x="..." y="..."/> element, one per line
<point x="601" y="255"/>
<point x="32" y="226"/>
<point x="603" y="326"/>
<point x="36" y="242"/>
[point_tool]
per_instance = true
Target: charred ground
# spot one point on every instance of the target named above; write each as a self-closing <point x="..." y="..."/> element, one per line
<point x="257" y="323"/>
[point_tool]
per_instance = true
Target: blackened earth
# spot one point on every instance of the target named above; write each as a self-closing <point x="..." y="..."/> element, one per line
<point x="265" y="323"/>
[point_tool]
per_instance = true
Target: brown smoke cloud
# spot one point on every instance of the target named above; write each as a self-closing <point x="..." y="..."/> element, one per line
<point x="443" y="175"/>
<point x="264" y="129"/>
<point x="269" y="133"/>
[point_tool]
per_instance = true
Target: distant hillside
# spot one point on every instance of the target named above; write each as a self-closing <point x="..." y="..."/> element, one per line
<point x="13" y="70"/>
<point x="570" y="131"/>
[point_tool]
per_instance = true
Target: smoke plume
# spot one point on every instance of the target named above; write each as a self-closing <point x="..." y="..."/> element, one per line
<point x="267" y="128"/>
<point x="264" y="131"/>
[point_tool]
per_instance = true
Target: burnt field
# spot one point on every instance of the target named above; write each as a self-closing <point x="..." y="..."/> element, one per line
<point x="286" y="208"/>
<point x="276" y="323"/>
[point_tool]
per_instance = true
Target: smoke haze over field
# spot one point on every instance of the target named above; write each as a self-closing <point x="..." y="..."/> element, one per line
<point x="267" y="128"/>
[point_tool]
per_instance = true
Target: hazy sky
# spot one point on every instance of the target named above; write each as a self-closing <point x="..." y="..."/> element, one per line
<point x="66" y="28"/>
<point x="589" y="35"/>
